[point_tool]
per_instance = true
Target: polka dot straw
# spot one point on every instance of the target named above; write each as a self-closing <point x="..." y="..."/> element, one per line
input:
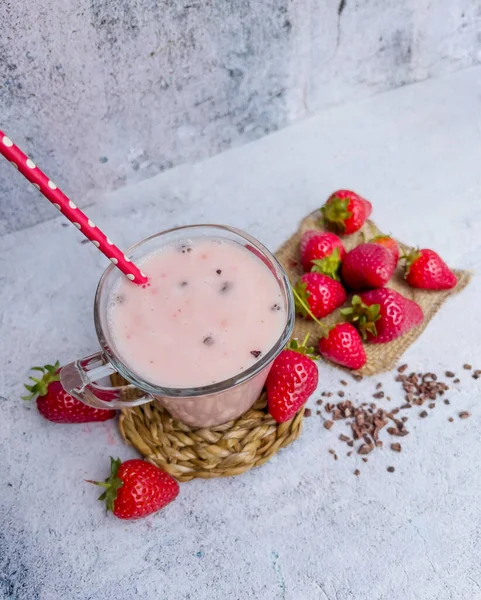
<point x="48" y="188"/>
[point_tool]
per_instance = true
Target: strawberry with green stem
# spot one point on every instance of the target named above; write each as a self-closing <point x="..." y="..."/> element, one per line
<point x="321" y="293"/>
<point x="57" y="405"/>
<point x="383" y="315"/>
<point x="341" y="344"/>
<point x="136" y="488"/>
<point x="425" y="269"/>
<point x="321" y="252"/>
<point x="292" y="379"/>
<point x="346" y="212"/>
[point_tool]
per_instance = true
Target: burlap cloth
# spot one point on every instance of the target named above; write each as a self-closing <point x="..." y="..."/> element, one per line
<point x="380" y="357"/>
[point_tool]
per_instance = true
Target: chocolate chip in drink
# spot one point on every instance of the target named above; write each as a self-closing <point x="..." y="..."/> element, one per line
<point x="390" y="469"/>
<point x="457" y="380"/>
<point x="378" y="395"/>
<point x="256" y="353"/>
<point x="357" y="376"/>
<point x="446" y="401"/>
<point x="307" y="412"/>
<point x="467" y="367"/>
<point x="183" y="283"/>
<point x="477" y="374"/>
<point x="208" y="340"/>
<point x="225" y="287"/>
<point x="185" y="249"/>
<point x="450" y="419"/>
<point x="364" y="459"/>
<point x="219" y="271"/>
<point x="343" y="382"/>
<point x="464" y="414"/>
<point x="340" y="393"/>
<point x="449" y="374"/>
<point x="432" y="405"/>
<point x="402" y="368"/>
<point x="328" y="424"/>
<point x="423" y="414"/>
<point x="396" y="447"/>
<point x="357" y="472"/>
<point x="275" y="307"/>
<point x="378" y="386"/>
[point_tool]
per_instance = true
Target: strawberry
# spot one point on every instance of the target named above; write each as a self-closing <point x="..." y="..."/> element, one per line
<point x="383" y="315"/>
<point x="56" y="405"/>
<point x="367" y="266"/>
<point x="291" y="380"/>
<point x="345" y="211"/>
<point x="427" y="270"/>
<point x="136" y="488"/>
<point x="321" y="293"/>
<point x="389" y="243"/>
<point x="343" y="345"/>
<point x="322" y="253"/>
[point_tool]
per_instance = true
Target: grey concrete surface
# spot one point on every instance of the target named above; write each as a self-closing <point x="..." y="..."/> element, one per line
<point x="109" y="92"/>
<point x="302" y="527"/>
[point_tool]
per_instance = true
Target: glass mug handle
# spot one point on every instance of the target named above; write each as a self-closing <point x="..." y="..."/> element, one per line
<point x="80" y="378"/>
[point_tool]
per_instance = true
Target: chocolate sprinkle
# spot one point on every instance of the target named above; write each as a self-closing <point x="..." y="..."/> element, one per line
<point x="219" y="271"/>
<point x="256" y="353"/>
<point x="225" y="287"/>
<point x="208" y="340"/>
<point x="390" y="469"/>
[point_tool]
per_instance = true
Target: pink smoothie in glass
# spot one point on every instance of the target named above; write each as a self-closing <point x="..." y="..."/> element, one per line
<point x="211" y="309"/>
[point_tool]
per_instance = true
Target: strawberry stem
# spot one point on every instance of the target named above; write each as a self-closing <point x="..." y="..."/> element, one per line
<point x="112" y="484"/>
<point x="49" y="373"/>
<point x="329" y="265"/>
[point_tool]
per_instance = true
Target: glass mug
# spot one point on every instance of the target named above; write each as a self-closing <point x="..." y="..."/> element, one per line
<point x="203" y="406"/>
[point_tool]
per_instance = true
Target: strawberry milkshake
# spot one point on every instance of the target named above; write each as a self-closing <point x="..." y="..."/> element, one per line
<point x="210" y="310"/>
<point x="199" y="338"/>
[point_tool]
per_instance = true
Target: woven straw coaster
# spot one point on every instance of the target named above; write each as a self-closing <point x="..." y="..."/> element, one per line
<point x="222" y="451"/>
<point x="380" y="357"/>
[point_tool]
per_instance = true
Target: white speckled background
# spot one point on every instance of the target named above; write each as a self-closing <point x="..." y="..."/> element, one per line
<point x="303" y="526"/>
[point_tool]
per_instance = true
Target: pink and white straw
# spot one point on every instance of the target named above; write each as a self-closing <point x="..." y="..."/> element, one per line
<point x="48" y="188"/>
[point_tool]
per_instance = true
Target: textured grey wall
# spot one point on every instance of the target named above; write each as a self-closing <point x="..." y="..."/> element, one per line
<point x="106" y="92"/>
